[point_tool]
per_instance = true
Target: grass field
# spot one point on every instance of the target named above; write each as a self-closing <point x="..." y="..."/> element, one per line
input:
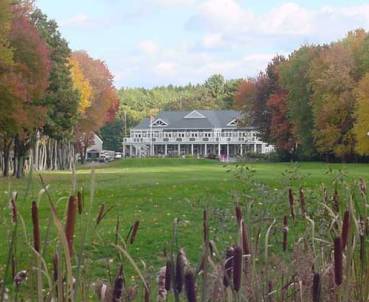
<point x="157" y="191"/>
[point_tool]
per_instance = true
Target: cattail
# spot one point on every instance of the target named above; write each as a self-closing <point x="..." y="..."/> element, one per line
<point x="20" y="277"/>
<point x="118" y="286"/>
<point x="55" y="267"/>
<point x="134" y="231"/>
<point x="147" y="294"/>
<point x="316" y="287"/>
<point x="362" y="186"/>
<point x="205" y="227"/>
<point x="292" y="202"/>
<point x="212" y="248"/>
<point x="325" y="195"/>
<point x="238" y="214"/>
<point x="345" y="229"/>
<point x="336" y="201"/>
<point x="36" y="227"/>
<point x="101" y="213"/>
<point x="285" y="233"/>
<point x="162" y="291"/>
<point x="270" y="291"/>
<point x="70" y="223"/>
<point x="103" y="291"/>
<point x="237" y="268"/>
<point x="228" y="265"/>
<point x="80" y="202"/>
<point x="190" y="286"/>
<point x="168" y="275"/>
<point x="362" y="249"/>
<point x="180" y="269"/>
<point x="14" y="207"/>
<point x="338" y="261"/>
<point x="245" y="241"/>
<point x="117" y="227"/>
<point x="302" y="202"/>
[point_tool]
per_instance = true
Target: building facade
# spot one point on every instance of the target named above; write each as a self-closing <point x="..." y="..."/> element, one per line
<point x="202" y="133"/>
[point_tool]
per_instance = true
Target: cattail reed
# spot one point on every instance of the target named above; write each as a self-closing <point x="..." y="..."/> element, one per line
<point x="134" y="231"/>
<point x="285" y="233"/>
<point x="13" y="205"/>
<point x="118" y="286"/>
<point x="270" y="291"/>
<point x="147" y="294"/>
<point x="238" y="214"/>
<point x="291" y="200"/>
<point x="101" y="214"/>
<point x="316" y="287"/>
<point x="190" y="286"/>
<point x="336" y="201"/>
<point x="362" y="186"/>
<point x="36" y="228"/>
<point x="70" y="222"/>
<point x="80" y="202"/>
<point x="345" y="229"/>
<point x="228" y="265"/>
<point x="302" y="202"/>
<point x="338" y="266"/>
<point x="20" y="277"/>
<point x="245" y="240"/>
<point x="205" y="227"/>
<point x="55" y="267"/>
<point x="362" y="250"/>
<point x="168" y="275"/>
<point x="180" y="269"/>
<point x="237" y="268"/>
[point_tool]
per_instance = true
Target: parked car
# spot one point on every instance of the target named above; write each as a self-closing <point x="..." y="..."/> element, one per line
<point x="118" y="155"/>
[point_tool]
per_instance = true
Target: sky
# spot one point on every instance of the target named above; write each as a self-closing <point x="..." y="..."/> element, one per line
<point x="148" y="43"/>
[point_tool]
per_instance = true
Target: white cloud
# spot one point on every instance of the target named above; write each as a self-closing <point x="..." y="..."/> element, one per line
<point x="173" y="3"/>
<point x="165" y="69"/>
<point x="80" y="20"/>
<point x="148" y="47"/>
<point x="213" y="40"/>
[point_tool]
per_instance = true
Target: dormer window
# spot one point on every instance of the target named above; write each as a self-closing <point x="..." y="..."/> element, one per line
<point x="195" y="114"/>
<point x="159" y="123"/>
<point x="233" y="123"/>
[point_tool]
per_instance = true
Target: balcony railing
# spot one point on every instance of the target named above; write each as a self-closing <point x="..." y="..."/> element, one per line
<point x="191" y="140"/>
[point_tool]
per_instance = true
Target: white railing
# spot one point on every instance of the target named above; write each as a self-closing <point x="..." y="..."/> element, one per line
<point x="191" y="140"/>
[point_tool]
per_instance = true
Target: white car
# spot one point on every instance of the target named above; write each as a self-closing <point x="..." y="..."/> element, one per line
<point x="118" y="155"/>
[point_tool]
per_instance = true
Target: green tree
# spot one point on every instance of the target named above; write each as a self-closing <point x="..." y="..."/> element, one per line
<point x="61" y="98"/>
<point x="294" y="78"/>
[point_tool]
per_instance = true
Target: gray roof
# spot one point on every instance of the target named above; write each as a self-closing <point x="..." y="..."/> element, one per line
<point x="177" y="120"/>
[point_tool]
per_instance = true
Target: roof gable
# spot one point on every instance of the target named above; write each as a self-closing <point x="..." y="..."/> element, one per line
<point x="195" y="114"/>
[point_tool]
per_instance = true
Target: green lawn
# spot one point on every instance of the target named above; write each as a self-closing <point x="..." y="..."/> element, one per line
<point x="155" y="192"/>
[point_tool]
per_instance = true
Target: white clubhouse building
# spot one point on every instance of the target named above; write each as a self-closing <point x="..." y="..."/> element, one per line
<point x="197" y="133"/>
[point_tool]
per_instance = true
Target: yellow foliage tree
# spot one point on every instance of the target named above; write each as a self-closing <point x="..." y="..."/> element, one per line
<point x="81" y="84"/>
<point x="361" y="127"/>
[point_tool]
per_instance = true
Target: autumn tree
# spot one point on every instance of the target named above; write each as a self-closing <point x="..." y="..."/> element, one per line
<point x="81" y="84"/>
<point x="26" y="81"/>
<point x="333" y="101"/>
<point x="6" y="53"/>
<point x="104" y="99"/>
<point x="361" y="127"/>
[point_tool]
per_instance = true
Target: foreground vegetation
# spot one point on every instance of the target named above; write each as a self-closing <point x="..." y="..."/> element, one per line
<point x="145" y="199"/>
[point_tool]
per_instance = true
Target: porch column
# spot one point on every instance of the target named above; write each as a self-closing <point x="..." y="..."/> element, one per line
<point x="254" y="148"/>
<point x="219" y="150"/>
<point x="241" y="150"/>
<point x="206" y="150"/>
<point x="130" y="151"/>
<point x="227" y="151"/>
<point x="192" y="149"/>
<point x="165" y="149"/>
<point x="179" y="149"/>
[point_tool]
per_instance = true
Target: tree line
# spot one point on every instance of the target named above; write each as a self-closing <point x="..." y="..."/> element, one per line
<point x="313" y="104"/>
<point x="51" y="99"/>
